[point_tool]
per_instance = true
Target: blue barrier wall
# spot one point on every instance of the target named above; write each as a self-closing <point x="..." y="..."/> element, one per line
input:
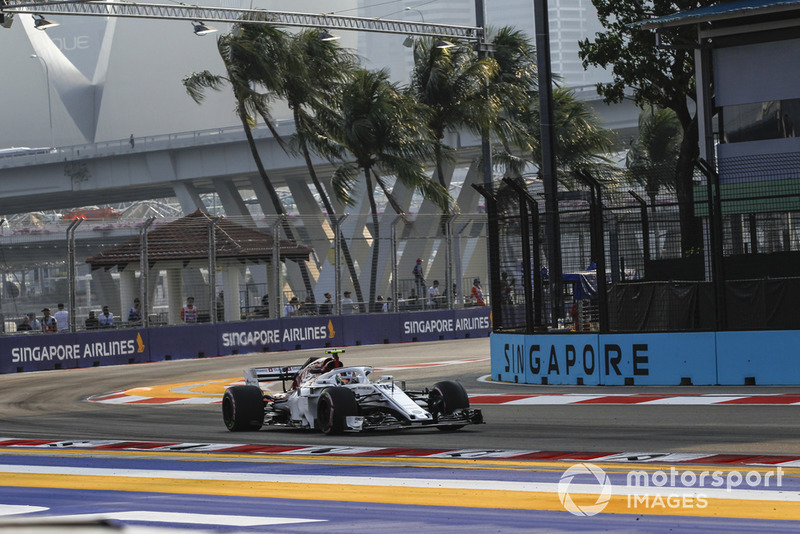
<point x="699" y="358"/>
<point x="36" y="351"/>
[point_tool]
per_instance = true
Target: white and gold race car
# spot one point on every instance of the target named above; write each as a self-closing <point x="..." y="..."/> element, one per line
<point x="327" y="396"/>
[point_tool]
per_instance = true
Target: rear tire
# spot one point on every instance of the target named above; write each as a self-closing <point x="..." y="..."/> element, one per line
<point x="333" y="408"/>
<point x="243" y="408"/>
<point x="445" y="398"/>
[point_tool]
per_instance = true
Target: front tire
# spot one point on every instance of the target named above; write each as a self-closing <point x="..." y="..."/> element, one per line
<point x="243" y="408"/>
<point x="445" y="398"/>
<point x="335" y="405"/>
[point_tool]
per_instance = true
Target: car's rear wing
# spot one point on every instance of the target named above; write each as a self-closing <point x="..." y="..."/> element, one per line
<point x="255" y="375"/>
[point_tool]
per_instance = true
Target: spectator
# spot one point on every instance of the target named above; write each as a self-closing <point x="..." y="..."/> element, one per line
<point x="106" y="318"/>
<point x="419" y="278"/>
<point x="92" y="322"/>
<point x="412" y="302"/>
<point x="221" y="306"/>
<point x="62" y="318"/>
<point x="134" y="314"/>
<point x="292" y="307"/>
<point x="378" y="306"/>
<point x="189" y="312"/>
<point x="387" y="306"/>
<point x="326" y="308"/>
<point x="477" y="293"/>
<point x="36" y="325"/>
<point x="434" y="295"/>
<point x="308" y="307"/>
<point x="25" y="325"/>
<point x="507" y="288"/>
<point x="263" y="309"/>
<point x="347" y="304"/>
<point x="49" y="323"/>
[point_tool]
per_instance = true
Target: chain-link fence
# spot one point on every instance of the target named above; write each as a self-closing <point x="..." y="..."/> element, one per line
<point x="143" y="270"/>
<point x="722" y="257"/>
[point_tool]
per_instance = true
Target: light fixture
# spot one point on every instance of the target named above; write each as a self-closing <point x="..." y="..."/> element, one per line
<point x="325" y="35"/>
<point x="441" y="43"/>
<point x="42" y="23"/>
<point x="408" y="42"/>
<point x="6" y="19"/>
<point x="203" y="29"/>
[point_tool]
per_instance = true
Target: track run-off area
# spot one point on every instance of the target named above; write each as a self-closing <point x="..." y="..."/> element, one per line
<point x="143" y="446"/>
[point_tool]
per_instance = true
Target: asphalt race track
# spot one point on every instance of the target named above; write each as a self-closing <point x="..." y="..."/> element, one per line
<point x="51" y="404"/>
<point x="90" y="454"/>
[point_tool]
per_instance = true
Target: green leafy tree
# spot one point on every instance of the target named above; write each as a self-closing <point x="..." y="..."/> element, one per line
<point x="657" y="76"/>
<point x="310" y="82"/>
<point x="244" y="53"/>
<point x="581" y="143"/>
<point x="378" y="129"/>
<point x="654" y="154"/>
<point x="452" y="83"/>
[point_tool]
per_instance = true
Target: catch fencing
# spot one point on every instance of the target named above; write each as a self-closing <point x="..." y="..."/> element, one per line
<point x="89" y="260"/>
<point x="639" y="258"/>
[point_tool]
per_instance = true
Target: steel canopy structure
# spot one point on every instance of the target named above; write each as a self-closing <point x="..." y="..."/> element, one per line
<point x="250" y="16"/>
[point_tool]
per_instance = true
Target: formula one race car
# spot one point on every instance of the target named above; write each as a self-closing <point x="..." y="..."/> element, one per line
<point x="326" y="396"/>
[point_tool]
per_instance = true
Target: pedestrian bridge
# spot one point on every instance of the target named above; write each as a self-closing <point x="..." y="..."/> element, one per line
<point x="183" y="165"/>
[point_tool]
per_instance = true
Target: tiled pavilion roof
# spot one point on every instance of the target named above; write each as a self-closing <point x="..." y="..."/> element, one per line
<point x="186" y="239"/>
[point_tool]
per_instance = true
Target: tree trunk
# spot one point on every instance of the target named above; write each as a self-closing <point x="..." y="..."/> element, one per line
<point x="376" y="234"/>
<point x="348" y="257"/>
<point x="276" y="201"/>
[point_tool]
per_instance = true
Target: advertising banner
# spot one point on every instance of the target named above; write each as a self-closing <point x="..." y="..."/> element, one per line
<point x="373" y="329"/>
<point x="613" y="360"/>
<point x="37" y="352"/>
<point x="760" y="358"/>
<point x="658" y="359"/>
<point x="180" y="342"/>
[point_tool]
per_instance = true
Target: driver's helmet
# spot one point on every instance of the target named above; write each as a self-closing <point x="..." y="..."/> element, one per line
<point x="330" y="364"/>
<point x="347" y="377"/>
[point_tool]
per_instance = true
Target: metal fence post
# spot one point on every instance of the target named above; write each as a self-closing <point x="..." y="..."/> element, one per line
<point x="645" y="228"/>
<point x="393" y="234"/>
<point x="337" y="279"/>
<point x="493" y="236"/>
<point x="212" y="268"/>
<point x="71" y="269"/>
<point x="715" y="236"/>
<point x="277" y="299"/>
<point x="448" y="260"/>
<point x="144" y="269"/>
<point x="598" y="246"/>
<point x="529" y="227"/>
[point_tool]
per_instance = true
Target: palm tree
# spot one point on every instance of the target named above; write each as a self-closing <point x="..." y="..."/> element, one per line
<point x="452" y="83"/>
<point x="653" y="155"/>
<point x="581" y="143"/>
<point x="309" y="85"/>
<point x="377" y="129"/>
<point x="242" y="52"/>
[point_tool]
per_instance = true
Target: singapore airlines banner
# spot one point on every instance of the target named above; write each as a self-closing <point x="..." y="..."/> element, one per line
<point x="37" y="351"/>
<point x="670" y="359"/>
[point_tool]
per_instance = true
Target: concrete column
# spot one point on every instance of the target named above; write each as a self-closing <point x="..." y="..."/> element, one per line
<point x="175" y="294"/>
<point x="128" y="290"/>
<point x="231" y="280"/>
<point x="107" y="291"/>
<point x="188" y="197"/>
<point x="232" y="202"/>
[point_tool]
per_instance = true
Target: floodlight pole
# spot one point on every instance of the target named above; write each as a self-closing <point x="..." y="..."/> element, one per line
<point x="549" y="177"/>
